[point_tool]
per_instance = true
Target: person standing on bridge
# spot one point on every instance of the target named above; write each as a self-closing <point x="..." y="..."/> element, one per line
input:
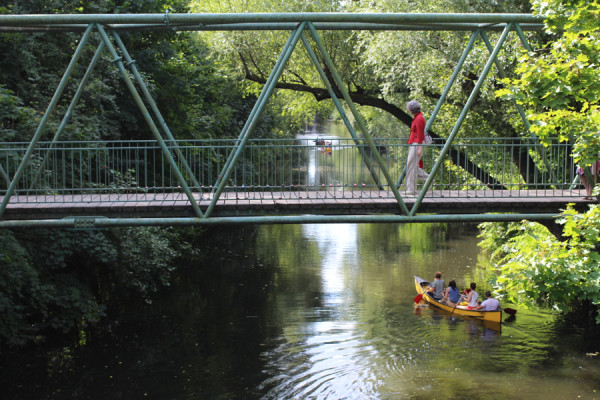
<point x="415" y="150"/>
<point x="593" y="170"/>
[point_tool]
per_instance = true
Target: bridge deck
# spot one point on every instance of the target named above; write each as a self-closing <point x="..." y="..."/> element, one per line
<point x="152" y="205"/>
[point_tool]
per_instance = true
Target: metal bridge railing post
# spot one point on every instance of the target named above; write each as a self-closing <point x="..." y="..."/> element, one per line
<point x="138" y="100"/>
<point x="462" y="116"/>
<point x="42" y="125"/>
<point x="359" y="120"/>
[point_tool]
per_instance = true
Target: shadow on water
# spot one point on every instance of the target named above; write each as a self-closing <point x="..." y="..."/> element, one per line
<point x="319" y="312"/>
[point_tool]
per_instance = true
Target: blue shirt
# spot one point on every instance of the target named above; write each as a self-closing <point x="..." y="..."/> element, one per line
<point x="453" y="294"/>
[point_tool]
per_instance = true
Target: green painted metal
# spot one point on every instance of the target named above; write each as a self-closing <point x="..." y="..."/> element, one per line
<point x="149" y="120"/>
<point x="524" y="40"/>
<point x="452" y="79"/>
<point x="4" y="175"/>
<point x="343" y="167"/>
<point x="259" y="106"/>
<point x="463" y="114"/>
<point x="102" y="222"/>
<point x="42" y="125"/>
<point x="476" y="23"/>
<point x="174" y="19"/>
<point x="76" y="97"/>
<point x="260" y="100"/>
<point x="359" y="120"/>
<point x="277" y="26"/>
<point x="153" y="106"/>
<point x="447" y="88"/>
<point x="339" y="107"/>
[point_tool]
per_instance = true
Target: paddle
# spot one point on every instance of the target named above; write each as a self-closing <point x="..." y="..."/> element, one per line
<point x="418" y="298"/>
<point x="455" y="304"/>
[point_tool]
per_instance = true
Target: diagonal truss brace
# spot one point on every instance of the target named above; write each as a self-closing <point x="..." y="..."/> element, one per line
<point x="254" y="115"/>
<point x="138" y="100"/>
<point x="491" y="60"/>
<point x="40" y="129"/>
<point x="265" y="94"/>
<point x="358" y="117"/>
<point x="339" y="107"/>
<point x="105" y="42"/>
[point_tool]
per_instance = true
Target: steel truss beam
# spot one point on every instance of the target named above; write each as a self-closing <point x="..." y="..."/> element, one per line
<point x="298" y="23"/>
<point x="271" y="21"/>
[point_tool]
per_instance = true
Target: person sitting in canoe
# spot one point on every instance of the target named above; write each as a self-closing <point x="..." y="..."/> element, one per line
<point x="451" y="294"/>
<point x="472" y="297"/>
<point x="489" y="304"/>
<point x="436" y="290"/>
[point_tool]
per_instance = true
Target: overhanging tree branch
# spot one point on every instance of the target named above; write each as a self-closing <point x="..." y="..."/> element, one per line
<point x="365" y="99"/>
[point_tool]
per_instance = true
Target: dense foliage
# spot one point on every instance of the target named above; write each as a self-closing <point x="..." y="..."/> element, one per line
<point x="559" y="87"/>
<point x="381" y="70"/>
<point x="57" y="282"/>
<point x="536" y="268"/>
<point x="560" y="84"/>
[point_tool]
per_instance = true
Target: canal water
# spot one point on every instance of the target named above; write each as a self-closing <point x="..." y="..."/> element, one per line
<point x="317" y="312"/>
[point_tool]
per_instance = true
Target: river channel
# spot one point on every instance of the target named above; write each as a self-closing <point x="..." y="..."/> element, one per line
<point x="316" y="311"/>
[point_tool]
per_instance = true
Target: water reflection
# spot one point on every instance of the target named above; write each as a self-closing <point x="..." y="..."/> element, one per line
<point x="317" y="312"/>
<point x="374" y="343"/>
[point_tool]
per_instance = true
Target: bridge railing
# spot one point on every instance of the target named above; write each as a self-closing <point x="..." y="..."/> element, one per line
<point x="489" y="167"/>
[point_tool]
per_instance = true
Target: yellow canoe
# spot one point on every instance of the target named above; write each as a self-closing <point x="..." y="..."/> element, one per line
<point x="491" y="316"/>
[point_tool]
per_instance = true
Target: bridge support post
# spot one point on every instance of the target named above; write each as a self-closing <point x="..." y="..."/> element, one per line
<point x="462" y="116"/>
<point x="255" y="114"/>
<point x="149" y="121"/>
<point x="44" y="121"/>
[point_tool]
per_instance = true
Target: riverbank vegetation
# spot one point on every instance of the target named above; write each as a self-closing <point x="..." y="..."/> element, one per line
<point x="205" y="84"/>
<point x="559" y="86"/>
<point x="55" y="284"/>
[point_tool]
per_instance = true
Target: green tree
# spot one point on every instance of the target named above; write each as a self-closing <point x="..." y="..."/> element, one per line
<point x="559" y="87"/>
<point x="536" y="268"/>
<point x="381" y="70"/>
<point x="58" y="282"/>
<point x="560" y="84"/>
<point x="195" y="97"/>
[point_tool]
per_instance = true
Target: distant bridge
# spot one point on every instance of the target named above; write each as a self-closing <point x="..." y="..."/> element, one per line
<point x="171" y="182"/>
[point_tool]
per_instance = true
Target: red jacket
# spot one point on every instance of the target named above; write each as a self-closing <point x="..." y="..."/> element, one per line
<point x="417" y="129"/>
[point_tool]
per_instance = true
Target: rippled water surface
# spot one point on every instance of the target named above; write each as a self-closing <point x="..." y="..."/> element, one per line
<point x="363" y="337"/>
<point x="321" y="312"/>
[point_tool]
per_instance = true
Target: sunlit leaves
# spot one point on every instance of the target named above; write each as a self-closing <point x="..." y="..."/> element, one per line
<point x="560" y="84"/>
<point x="535" y="267"/>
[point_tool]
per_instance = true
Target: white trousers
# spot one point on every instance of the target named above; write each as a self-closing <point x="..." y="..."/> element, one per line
<point x="413" y="172"/>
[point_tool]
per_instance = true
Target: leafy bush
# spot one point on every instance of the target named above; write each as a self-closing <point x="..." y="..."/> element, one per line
<point x="57" y="282"/>
<point x="535" y="267"/>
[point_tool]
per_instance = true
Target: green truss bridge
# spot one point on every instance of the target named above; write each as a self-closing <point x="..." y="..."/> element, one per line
<point x="166" y="181"/>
